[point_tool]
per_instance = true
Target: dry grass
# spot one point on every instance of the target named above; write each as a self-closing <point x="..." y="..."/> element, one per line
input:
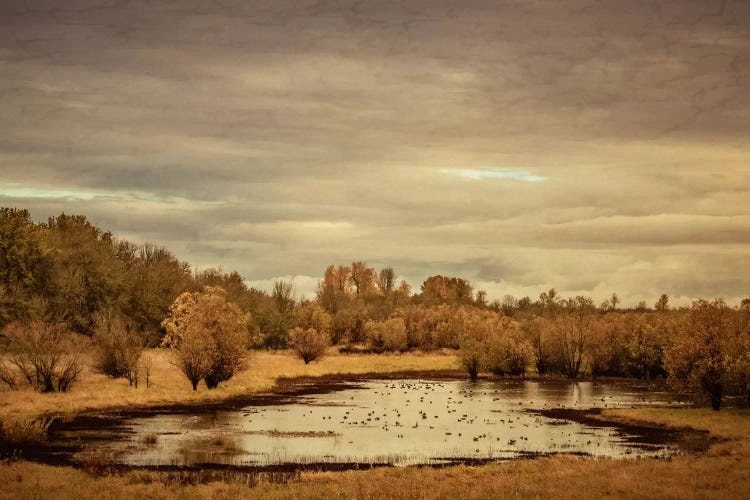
<point x="169" y="385"/>
<point x="21" y="429"/>
<point x="732" y="426"/>
<point x="720" y="474"/>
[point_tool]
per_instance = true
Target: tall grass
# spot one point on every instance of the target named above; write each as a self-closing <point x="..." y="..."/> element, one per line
<point x="24" y="430"/>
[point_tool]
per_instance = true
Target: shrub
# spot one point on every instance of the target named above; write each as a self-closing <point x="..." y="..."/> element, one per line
<point x="117" y="347"/>
<point x="505" y="352"/>
<point x="470" y="354"/>
<point x="308" y="343"/>
<point x="389" y="335"/>
<point x="45" y="356"/>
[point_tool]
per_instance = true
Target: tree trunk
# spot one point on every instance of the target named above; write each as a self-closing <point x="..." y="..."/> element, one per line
<point x="716" y="391"/>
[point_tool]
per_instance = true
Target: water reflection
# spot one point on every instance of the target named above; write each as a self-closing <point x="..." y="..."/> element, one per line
<point x="399" y="422"/>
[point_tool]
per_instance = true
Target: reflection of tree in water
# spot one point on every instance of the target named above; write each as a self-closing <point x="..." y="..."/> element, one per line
<point x="580" y="393"/>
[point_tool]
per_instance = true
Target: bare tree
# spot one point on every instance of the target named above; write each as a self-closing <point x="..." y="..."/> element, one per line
<point x="46" y="356"/>
<point x="387" y="280"/>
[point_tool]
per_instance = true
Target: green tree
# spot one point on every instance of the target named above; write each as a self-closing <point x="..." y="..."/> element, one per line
<point x="24" y="268"/>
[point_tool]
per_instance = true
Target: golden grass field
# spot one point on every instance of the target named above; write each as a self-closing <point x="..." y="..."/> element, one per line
<point x="721" y="473"/>
<point x="169" y="385"/>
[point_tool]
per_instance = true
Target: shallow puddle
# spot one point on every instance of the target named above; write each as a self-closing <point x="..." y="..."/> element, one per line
<point x="391" y="422"/>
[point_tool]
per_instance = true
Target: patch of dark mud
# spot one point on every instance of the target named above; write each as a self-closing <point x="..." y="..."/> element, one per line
<point x="207" y="472"/>
<point x="637" y="434"/>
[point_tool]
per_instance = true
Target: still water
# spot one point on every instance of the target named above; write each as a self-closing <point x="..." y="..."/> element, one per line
<point x="396" y="422"/>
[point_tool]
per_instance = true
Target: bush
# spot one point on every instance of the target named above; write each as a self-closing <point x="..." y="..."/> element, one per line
<point x="505" y="352"/>
<point x="45" y="356"/>
<point x="308" y="343"/>
<point x="389" y="335"/>
<point x="470" y="355"/>
<point x="117" y="347"/>
<point x="209" y="336"/>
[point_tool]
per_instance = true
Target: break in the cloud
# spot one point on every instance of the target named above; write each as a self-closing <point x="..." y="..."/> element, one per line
<point x="594" y="146"/>
<point x="479" y="175"/>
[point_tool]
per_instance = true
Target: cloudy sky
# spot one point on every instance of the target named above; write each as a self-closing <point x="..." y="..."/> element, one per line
<point x="593" y="146"/>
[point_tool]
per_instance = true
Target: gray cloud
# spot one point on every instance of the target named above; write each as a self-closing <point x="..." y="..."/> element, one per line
<point x="276" y="137"/>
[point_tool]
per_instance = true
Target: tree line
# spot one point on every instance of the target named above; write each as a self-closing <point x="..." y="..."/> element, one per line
<point x="66" y="283"/>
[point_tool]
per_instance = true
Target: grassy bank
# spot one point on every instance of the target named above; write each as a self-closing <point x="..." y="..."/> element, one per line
<point x="721" y="473"/>
<point x="169" y="385"/>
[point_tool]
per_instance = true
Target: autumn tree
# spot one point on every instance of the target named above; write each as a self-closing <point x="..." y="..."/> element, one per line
<point x="572" y="331"/>
<point x="537" y="331"/>
<point x="389" y="335"/>
<point x="312" y="315"/>
<point x="209" y="336"/>
<point x="662" y="304"/>
<point x="276" y="316"/>
<point x="646" y="343"/>
<point x="697" y="359"/>
<point x="481" y="298"/>
<point x="348" y="323"/>
<point x="506" y="352"/>
<point x="607" y="349"/>
<point x="471" y="353"/>
<point x="387" y="280"/>
<point x="86" y="274"/>
<point x="508" y="305"/>
<point x="334" y="289"/>
<point x="550" y="302"/>
<point x="446" y="290"/>
<point x="153" y="280"/>
<point x="362" y="278"/>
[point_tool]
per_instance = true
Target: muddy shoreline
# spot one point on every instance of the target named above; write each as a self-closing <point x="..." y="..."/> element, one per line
<point x="689" y="440"/>
<point x="57" y="451"/>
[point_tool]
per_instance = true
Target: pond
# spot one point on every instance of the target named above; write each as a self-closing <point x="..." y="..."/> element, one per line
<point x="396" y="422"/>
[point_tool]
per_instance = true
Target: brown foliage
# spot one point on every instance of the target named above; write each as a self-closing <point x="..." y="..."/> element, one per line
<point x="209" y="336"/>
<point x="117" y="346"/>
<point x="389" y="335"/>
<point x="709" y="352"/>
<point x="442" y="289"/>
<point x="309" y="344"/>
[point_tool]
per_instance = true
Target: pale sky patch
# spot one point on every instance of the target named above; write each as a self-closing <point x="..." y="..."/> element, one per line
<point x="478" y="175"/>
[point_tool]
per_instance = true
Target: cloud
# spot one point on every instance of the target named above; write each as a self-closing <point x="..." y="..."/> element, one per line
<point x="590" y="146"/>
